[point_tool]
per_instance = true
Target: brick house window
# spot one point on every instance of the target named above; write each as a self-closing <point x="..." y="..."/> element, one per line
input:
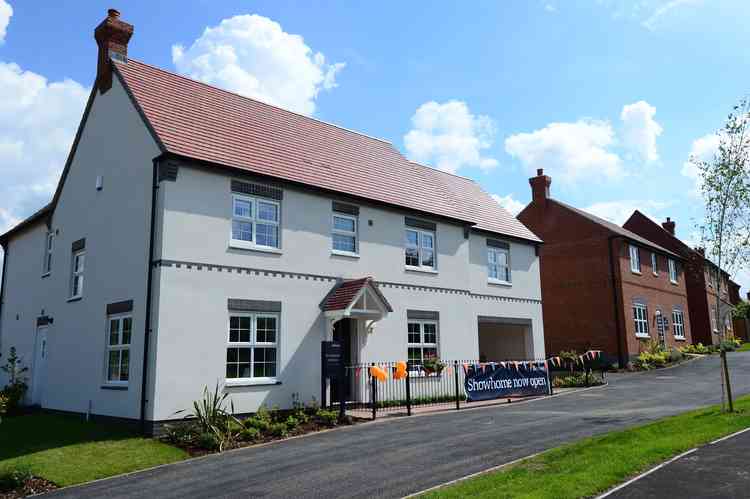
<point x="635" y="260"/>
<point x="654" y="264"/>
<point x="672" y="271"/>
<point x="678" y="319"/>
<point x="640" y="316"/>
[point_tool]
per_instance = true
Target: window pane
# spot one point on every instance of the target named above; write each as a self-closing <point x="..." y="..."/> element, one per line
<point x="428" y="240"/>
<point x="243" y="208"/>
<point x="127" y="327"/>
<point x="265" y="363"/>
<point x="429" y="353"/>
<point x="430" y="333"/>
<point x="412" y="257"/>
<point x="344" y="243"/>
<point x="428" y="258"/>
<point x="415" y="356"/>
<point x="502" y="258"/>
<point x="113" y="365"/>
<point x="412" y="238"/>
<point x="268" y="211"/>
<point x="242" y="231"/>
<point x="124" y="364"/>
<point x="493" y="272"/>
<point x="413" y="332"/>
<point x="79" y="262"/>
<point x="345" y="224"/>
<point x="267" y="235"/>
<point x="114" y="329"/>
<point x="232" y="371"/>
<point x="266" y="330"/>
<point x="243" y="355"/>
<point x="491" y="256"/>
<point x="231" y="355"/>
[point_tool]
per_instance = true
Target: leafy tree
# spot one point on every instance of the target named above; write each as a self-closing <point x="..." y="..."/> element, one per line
<point x="742" y="310"/>
<point x="725" y="186"/>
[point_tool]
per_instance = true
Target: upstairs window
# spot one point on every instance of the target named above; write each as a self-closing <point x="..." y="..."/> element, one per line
<point x="635" y="259"/>
<point x="640" y="317"/>
<point x="76" y="278"/>
<point x="654" y="264"/>
<point x="420" y="249"/>
<point x="678" y="320"/>
<point x="119" y="333"/>
<point x="498" y="261"/>
<point x="672" y="271"/>
<point x="49" y="245"/>
<point x="255" y="222"/>
<point x="344" y="233"/>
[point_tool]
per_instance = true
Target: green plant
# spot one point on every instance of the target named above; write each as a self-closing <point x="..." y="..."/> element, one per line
<point x="181" y="434"/>
<point x="3" y="406"/>
<point x="432" y="364"/>
<point x="650" y="346"/>
<point x="209" y="441"/>
<point x="328" y="418"/>
<point x="212" y="416"/>
<point x="291" y="422"/>
<point x="249" y="434"/>
<point x="675" y="355"/>
<point x="728" y="346"/>
<point x="14" y="478"/>
<point x="576" y="381"/>
<point x="569" y="357"/>
<point x="278" y="430"/>
<point x="16" y="388"/>
<point x="699" y="349"/>
<point x="647" y="360"/>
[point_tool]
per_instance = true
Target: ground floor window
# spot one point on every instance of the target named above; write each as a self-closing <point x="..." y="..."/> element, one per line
<point x="640" y="316"/>
<point x="678" y="320"/>
<point x="422" y="342"/>
<point x="119" y="332"/>
<point x="252" y="346"/>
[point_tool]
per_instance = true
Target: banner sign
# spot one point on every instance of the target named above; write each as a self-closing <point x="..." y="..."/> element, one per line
<point x="505" y="379"/>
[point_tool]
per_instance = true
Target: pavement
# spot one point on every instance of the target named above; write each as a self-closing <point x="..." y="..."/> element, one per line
<point x="715" y="470"/>
<point x="397" y="457"/>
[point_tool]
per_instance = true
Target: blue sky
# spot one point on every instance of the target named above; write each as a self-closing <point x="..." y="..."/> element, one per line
<point x="610" y="97"/>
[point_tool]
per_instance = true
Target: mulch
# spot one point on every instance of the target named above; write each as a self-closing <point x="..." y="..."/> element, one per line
<point x="31" y="487"/>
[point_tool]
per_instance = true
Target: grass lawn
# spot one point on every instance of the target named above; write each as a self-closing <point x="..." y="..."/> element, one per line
<point x="596" y="464"/>
<point x="66" y="450"/>
<point x="744" y="348"/>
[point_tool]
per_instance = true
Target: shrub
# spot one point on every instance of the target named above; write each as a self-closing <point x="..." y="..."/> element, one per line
<point x="3" y="406"/>
<point x="650" y="346"/>
<point x="181" y="434"/>
<point x="647" y="360"/>
<point x="675" y="355"/>
<point x="576" y="381"/>
<point x="696" y="349"/>
<point x="213" y="416"/>
<point x="291" y="422"/>
<point x="14" y="478"/>
<point x="249" y="434"/>
<point x="328" y="418"/>
<point x="728" y="346"/>
<point x="16" y="388"/>
<point x="278" y="430"/>
<point x="209" y="441"/>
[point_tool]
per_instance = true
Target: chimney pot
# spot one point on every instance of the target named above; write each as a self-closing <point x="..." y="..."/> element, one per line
<point x="540" y="171"/>
<point x="669" y="226"/>
<point x="540" y="186"/>
<point x="113" y="13"/>
<point x="112" y="36"/>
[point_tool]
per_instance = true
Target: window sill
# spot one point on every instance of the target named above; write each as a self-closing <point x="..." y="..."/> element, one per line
<point x="679" y="338"/>
<point x="636" y="272"/>
<point x="231" y="383"/>
<point x="114" y="387"/>
<point x="253" y="247"/>
<point x="46" y="274"/>
<point x="673" y="282"/>
<point x="409" y="268"/>
<point x="499" y="282"/>
<point x="75" y="298"/>
<point x="347" y="254"/>
<point x="644" y="336"/>
<point x="656" y="274"/>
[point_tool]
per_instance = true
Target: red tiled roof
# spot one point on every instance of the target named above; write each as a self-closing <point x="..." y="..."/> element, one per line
<point x="199" y="121"/>
<point x="342" y="295"/>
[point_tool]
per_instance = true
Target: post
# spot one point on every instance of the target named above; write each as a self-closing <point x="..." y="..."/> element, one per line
<point x="408" y="393"/>
<point x="323" y="384"/>
<point x="373" y="393"/>
<point x="455" y="377"/>
<point x="342" y="398"/>
<point x="726" y="377"/>
<point x="549" y="379"/>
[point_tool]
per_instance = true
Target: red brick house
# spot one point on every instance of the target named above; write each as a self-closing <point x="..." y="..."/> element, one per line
<point x="600" y="288"/>
<point x="699" y="278"/>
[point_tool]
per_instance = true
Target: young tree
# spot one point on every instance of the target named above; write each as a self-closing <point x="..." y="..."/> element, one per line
<point x="725" y="186"/>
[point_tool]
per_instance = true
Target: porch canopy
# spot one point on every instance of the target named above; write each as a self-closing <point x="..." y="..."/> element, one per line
<point x="356" y="298"/>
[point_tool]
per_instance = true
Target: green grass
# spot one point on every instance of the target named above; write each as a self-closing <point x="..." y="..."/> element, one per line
<point x="744" y="348"/>
<point x="66" y="450"/>
<point x="593" y="465"/>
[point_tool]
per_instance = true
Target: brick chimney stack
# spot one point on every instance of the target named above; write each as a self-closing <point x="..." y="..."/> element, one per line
<point x="540" y="186"/>
<point x="669" y="225"/>
<point x="112" y="36"/>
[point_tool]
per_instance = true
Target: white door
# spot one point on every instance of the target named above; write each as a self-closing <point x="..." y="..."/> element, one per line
<point x="40" y="366"/>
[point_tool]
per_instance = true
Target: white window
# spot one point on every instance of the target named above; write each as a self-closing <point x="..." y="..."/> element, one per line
<point x="76" y="279"/>
<point x="714" y="323"/>
<point x="678" y="320"/>
<point x="49" y="245"/>
<point x="344" y="233"/>
<point x="422" y="342"/>
<point x="119" y="333"/>
<point x="654" y="264"/>
<point x="255" y="222"/>
<point x="640" y="316"/>
<point x="252" y="346"/>
<point x="498" y="264"/>
<point x="672" y="270"/>
<point x="420" y="249"/>
<point x="635" y="259"/>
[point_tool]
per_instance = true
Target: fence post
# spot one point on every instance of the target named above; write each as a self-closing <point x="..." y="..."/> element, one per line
<point x="455" y="377"/>
<point x="408" y="393"/>
<point x="373" y="393"/>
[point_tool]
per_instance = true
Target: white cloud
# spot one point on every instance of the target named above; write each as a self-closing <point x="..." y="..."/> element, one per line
<point x="6" y="11"/>
<point x="619" y="211"/>
<point x="663" y="10"/>
<point x="569" y="150"/>
<point x="38" y="120"/>
<point x="640" y="130"/>
<point x="703" y="149"/>
<point x="512" y="205"/>
<point x="449" y="137"/>
<point x="253" y="56"/>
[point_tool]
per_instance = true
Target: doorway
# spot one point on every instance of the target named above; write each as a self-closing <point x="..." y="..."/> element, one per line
<point x="504" y="339"/>
<point x="40" y="366"/>
<point x="343" y="330"/>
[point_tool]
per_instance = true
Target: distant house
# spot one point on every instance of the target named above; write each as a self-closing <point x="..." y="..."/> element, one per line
<point x="700" y="279"/>
<point x="604" y="286"/>
<point x="741" y="326"/>
<point x="197" y="236"/>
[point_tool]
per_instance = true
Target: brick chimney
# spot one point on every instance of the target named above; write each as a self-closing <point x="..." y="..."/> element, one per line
<point x="669" y="225"/>
<point x="112" y="36"/>
<point x="540" y="186"/>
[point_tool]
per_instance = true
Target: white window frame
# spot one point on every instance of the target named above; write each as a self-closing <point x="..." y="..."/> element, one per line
<point x="354" y="234"/>
<point x="635" y="259"/>
<point x="654" y="263"/>
<point x="420" y="247"/>
<point x="75" y="272"/>
<point x="119" y="347"/>
<point x="641" y="320"/>
<point x="672" y="264"/>
<point x="507" y="277"/>
<point x="678" y="325"/>
<point x="422" y="345"/>
<point x="254" y="219"/>
<point x="49" y="246"/>
<point x="252" y="345"/>
<point x="714" y="321"/>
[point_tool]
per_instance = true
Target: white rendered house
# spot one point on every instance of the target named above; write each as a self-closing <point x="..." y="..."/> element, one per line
<point x="197" y="236"/>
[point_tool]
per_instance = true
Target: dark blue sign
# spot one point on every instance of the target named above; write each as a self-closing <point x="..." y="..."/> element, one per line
<point x="492" y="381"/>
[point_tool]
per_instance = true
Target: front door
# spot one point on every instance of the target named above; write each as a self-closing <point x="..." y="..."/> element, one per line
<point x="342" y="333"/>
<point x="40" y="366"/>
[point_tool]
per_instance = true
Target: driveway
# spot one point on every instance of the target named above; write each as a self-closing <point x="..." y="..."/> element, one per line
<point x="401" y="456"/>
